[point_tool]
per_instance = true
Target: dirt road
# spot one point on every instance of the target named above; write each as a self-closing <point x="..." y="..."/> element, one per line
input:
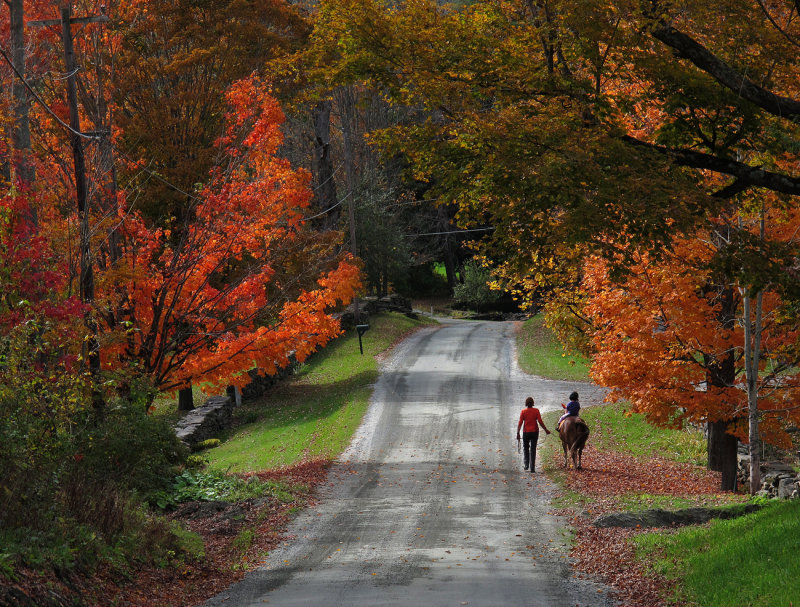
<point x="430" y="505"/>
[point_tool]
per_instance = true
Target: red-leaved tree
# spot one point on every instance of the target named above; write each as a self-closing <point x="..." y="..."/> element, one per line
<point x="241" y="283"/>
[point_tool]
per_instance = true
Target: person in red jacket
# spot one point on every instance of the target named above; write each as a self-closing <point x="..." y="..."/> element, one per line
<point x="529" y="420"/>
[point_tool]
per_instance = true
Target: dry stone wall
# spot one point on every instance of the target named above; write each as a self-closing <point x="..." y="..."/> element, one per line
<point x="778" y="480"/>
<point x="206" y="421"/>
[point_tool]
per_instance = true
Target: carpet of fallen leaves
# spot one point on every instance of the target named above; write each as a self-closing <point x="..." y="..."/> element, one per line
<point x="607" y="553"/>
<point x="190" y="583"/>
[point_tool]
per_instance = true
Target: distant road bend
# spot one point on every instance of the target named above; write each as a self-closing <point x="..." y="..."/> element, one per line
<point x="430" y="505"/>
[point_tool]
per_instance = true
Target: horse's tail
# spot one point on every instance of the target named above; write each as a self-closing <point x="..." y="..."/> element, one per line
<point x="583" y="434"/>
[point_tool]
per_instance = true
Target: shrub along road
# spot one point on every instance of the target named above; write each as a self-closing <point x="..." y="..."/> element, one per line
<point x="430" y="505"/>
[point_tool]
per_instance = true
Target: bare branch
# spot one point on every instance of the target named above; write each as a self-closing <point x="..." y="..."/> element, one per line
<point x="776" y="25"/>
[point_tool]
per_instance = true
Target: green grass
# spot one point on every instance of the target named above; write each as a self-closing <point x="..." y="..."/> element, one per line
<point x="630" y="433"/>
<point x="540" y="353"/>
<point x="746" y="562"/>
<point x="314" y="413"/>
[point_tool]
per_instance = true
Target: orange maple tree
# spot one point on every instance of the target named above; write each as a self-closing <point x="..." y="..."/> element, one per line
<point x="173" y="61"/>
<point x="216" y="301"/>
<point x="663" y="336"/>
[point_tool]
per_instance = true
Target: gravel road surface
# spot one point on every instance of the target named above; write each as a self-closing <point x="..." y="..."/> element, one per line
<point x="430" y="506"/>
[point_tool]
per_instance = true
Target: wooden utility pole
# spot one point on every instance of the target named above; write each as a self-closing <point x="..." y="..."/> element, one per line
<point x="76" y="139"/>
<point x="21" y="130"/>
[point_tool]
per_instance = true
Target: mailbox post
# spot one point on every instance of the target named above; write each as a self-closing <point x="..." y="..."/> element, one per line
<point x="361" y="330"/>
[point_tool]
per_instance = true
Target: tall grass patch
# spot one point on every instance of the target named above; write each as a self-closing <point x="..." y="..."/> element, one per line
<point x="540" y="353"/>
<point x="314" y="413"/>
<point x="746" y="562"/>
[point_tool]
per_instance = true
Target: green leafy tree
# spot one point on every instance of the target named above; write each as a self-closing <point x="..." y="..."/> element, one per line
<point x="475" y="292"/>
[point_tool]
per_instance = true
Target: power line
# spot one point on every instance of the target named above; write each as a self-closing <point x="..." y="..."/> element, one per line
<point x="454" y="232"/>
<point x="401" y="204"/>
<point x="336" y="170"/>
<point x="41" y="102"/>
<point x="96" y="137"/>
<point x="156" y="175"/>
<point x="326" y="211"/>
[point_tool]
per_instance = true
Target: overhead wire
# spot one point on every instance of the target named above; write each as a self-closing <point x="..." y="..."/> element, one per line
<point x="96" y="137"/>
<point x="40" y="101"/>
<point x="454" y="232"/>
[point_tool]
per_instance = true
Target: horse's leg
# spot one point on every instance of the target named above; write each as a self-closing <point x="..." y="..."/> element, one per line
<point x="572" y="455"/>
<point x="566" y="455"/>
<point x="580" y="456"/>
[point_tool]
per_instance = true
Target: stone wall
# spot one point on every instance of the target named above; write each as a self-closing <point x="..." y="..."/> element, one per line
<point x="206" y="421"/>
<point x="374" y="305"/>
<point x="260" y="382"/>
<point x="777" y="479"/>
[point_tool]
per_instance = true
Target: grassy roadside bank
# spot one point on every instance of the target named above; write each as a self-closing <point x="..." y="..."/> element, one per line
<point x="539" y="353"/>
<point x="313" y="414"/>
<point x="631" y="466"/>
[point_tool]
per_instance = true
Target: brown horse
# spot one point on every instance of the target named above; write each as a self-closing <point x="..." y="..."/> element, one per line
<point x="573" y="432"/>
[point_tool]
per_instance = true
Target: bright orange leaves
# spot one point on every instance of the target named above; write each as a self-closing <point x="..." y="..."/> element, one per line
<point x="662" y="334"/>
<point x="211" y="299"/>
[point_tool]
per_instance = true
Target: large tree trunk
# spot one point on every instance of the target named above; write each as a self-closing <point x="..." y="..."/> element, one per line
<point x="448" y="247"/>
<point x="346" y="99"/>
<point x="714" y="437"/>
<point x="450" y="267"/>
<point x="722" y="453"/>
<point x="185" y="399"/>
<point x="722" y="447"/>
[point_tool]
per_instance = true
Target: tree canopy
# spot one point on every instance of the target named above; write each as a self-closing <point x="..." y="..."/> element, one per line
<point x="633" y="164"/>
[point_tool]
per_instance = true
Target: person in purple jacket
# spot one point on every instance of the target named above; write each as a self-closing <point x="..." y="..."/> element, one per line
<point x="573" y="407"/>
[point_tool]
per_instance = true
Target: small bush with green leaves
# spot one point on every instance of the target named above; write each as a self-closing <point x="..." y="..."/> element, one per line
<point x="71" y="471"/>
<point x="210" y="486"/>
<point x="206" y="444"/>
<point x="134" y="450"/>
<point x="196" y="461"/>
<point x="474" y="292"/>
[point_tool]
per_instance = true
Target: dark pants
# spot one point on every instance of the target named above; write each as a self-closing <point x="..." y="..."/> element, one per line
<point x="529" y="440"/>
